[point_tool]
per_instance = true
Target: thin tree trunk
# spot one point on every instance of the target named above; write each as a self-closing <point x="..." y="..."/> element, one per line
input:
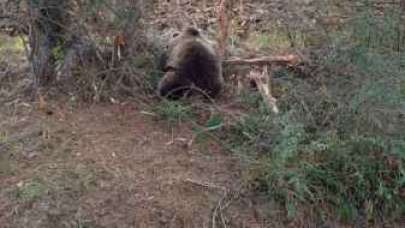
<point x="48" y="24"/>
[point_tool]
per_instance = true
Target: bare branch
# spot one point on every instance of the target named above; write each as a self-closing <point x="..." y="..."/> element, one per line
<point x="269" y="60"/>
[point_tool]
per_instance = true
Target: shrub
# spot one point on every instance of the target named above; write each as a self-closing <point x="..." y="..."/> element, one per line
<point x="338" y="146"/>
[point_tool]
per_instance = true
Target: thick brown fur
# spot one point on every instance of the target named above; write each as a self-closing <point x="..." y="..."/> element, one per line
<point x="191" y="61"/>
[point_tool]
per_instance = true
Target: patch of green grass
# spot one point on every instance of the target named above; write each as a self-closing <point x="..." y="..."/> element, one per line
<point x="76" y="179"/>
<point x="31" y="190"/>
<point x="299" y="168"/>
<point x="11" y="43"/>
<point x="7" y="165"/>
<point x="275" y="39"/>
<point x="59" y="186"/>
<point x="173" y="111"/>
<point x="3" y="136"/>
<point x="83" y="224"/>
<point x="214" y="123"/>
<point x="263" y="40"/>
<point x="252" y="135"/>
<point x="251" y="98"/>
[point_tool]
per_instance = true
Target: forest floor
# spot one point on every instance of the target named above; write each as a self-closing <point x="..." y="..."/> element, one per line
<point x="69" y="163"/>
<point x="109" y="166"/>
<point x="66" y="163"/>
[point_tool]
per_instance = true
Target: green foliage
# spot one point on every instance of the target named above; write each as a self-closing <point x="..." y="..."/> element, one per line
<point x="173" y="111"/>
<point x="250" y="98"/>
<point x="58" y="54"/>
<point x="31" y="190"/>
<point x="154" y="72"/>
<point x="358" y="175"/>
<point x="277" y="38"/>
<point x="15" y="44"/>
<point x="214" y="123"/>
<point x="8" y="148"/>
<point x="338" y="146"/>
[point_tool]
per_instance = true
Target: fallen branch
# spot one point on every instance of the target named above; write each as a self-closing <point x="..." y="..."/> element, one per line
<point x="270" y="60"/>
<point x="210" y="186"/>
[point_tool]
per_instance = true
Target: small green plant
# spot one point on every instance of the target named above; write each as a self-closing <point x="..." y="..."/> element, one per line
<point x="214" y="123"/>
<point x="278" y="38"/>
<point x="15" y="44"/>
<point x="250" y="98"/>
<point x="3" y="137"/>
<point x="7" y="164"/>
<point x="263" y="40"/>
<point x="173" y="111"/>
<point x="83" y="224"/>
<point x="30" y="190"/>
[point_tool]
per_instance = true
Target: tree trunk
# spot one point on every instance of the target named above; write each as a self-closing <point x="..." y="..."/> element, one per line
<point x="48" y="23"/>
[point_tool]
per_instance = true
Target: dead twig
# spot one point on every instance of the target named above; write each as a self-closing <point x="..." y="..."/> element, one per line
<point x="226" y="200"/>
<point x="217" y="212"/>
<point x="205" y="185"/>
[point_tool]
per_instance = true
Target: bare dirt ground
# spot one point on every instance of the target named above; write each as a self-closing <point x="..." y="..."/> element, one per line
<point x="108" y="166"/>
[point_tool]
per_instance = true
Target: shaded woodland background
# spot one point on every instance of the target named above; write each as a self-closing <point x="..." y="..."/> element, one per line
<point x="85" y="141"/>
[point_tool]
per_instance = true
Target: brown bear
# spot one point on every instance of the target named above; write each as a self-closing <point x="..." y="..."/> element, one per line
<point x="190" y="62"/>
